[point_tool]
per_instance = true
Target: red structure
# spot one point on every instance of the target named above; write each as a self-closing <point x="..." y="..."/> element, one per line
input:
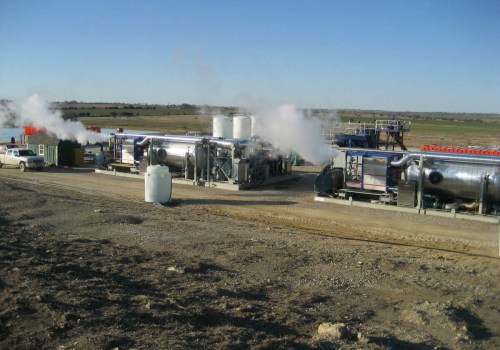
<point x="29" y="130"/>
<point x="93" y="128"/>
<point x="461" y="149"/>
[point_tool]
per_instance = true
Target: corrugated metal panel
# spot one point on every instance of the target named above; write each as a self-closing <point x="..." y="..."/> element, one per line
<point x="407" y="194"/>
<point x="375" y="173"/>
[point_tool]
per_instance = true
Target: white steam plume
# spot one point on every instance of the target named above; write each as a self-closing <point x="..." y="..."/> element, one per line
<point x="37" y="112"/>
<point x="289" y="130"/>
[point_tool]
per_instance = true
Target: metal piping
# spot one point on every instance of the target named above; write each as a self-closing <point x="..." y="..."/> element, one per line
<point x="123" y="136"/>
<point x="189" y="139"/>
<point x="226" y="144"/>
<point x="369" y="150"/>
<point x="445" y="156"/>
<point x="240" y="142"/>
<point x="175" y="138"/>
<point x="144" y="142"/>
<point x="406" y="158"/>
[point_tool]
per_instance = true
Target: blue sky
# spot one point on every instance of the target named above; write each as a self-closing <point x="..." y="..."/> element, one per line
<point x="409" y="55"/>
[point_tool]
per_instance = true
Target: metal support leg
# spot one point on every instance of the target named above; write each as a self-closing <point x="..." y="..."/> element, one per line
<point x="208" y="164"/>
<point x="484" y="191"/>
<point x="420" y="193"/>
<point x="195" y="173"/>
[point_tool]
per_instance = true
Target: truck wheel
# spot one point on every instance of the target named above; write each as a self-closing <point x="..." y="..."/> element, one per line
<point x="22" y="166"/>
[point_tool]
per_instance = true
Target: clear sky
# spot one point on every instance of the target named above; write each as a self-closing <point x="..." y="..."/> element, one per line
<point x="406" y="55"/>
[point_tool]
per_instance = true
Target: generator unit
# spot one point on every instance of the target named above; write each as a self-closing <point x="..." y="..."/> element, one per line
<point x="201" y="158"/>
<point x="422" y="179"/>
<point x="361" y="173"/>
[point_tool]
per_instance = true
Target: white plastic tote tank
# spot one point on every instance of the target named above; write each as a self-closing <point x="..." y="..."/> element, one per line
<point x="157" y="184"/>
<point x="222" y="126"/>
<point x="242" y="127"/>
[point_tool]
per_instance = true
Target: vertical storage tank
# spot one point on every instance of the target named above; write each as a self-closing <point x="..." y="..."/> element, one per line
<point x="253" y="128"/>
<point x="222" y="126"/>
<point x="157" y="184"/>
<point x="242" y="127"/>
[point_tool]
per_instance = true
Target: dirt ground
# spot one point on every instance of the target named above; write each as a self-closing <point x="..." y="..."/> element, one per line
<point x="85" y="263"/>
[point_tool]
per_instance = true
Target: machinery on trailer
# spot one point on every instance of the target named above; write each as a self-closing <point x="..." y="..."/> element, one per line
<point x="444" y="180"/>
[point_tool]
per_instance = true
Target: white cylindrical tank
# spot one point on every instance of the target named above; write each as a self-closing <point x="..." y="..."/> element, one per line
<point x="242" y="127"/>
<point x="222" y="126"/>
<point x="253" y="128"/>
<point x="157" y="184"/>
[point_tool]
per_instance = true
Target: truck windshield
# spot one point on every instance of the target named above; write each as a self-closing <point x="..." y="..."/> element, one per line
<point x="27" y="152"/>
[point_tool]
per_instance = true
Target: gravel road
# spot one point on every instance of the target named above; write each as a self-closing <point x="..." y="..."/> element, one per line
<point x="85" y="263"/>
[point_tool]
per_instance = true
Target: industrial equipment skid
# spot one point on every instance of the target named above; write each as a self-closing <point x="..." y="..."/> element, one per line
<point x="426" y="211"/>
<point x="213" y="184"/>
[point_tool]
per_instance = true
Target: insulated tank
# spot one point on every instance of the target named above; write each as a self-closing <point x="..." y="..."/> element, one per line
<point x="452" y="180"/>
<point x="157" y="184"/>
<point x="242" y="127"/>
<point x="222" y="126"/>
<point x="328" y="181"/>
<point x="180" y="155"/>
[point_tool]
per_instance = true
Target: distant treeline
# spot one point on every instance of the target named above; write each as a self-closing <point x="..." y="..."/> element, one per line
<point x="486" y="117"/>
<point x="72" y="105"/>
<point x="421" y="114"/>
<point x="75" y="110"/>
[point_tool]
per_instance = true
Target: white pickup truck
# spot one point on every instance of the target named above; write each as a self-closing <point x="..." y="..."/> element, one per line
<point x="21" y="158"/>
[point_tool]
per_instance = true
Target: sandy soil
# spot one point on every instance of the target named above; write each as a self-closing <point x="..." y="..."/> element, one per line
<point x="86" y="264"/>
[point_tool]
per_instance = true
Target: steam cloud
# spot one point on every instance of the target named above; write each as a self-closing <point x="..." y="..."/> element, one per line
<point x="37" y="112"/>
<point x="290" y="130"/>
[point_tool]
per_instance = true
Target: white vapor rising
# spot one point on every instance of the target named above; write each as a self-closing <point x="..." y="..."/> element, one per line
<point x="37" y="112"/>
<point x="289" y="130"/>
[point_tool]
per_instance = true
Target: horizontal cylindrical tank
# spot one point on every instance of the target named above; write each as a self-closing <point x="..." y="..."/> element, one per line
<point x="222" y="126"/>
<point x="180" y="155"/>
<point x="328" y="181"/>
<point x="157" y="184"/>
<point x="458" y="180"/>
<point x="242" y="127"/>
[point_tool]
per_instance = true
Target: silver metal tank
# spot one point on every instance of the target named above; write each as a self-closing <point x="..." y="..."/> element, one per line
<point x="180" y="155"/>
<point x="452" y="179"/>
